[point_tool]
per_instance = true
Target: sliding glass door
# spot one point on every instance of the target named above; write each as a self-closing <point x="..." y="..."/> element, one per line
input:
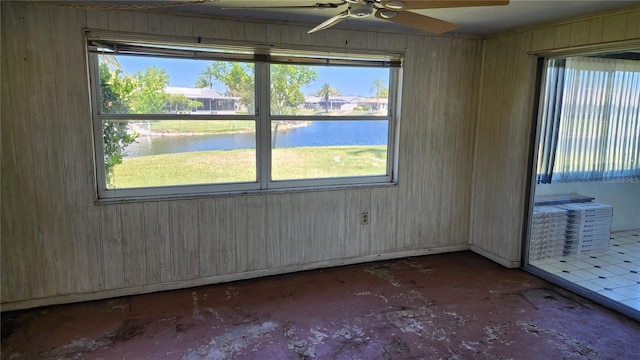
<point x="584" y="227"/>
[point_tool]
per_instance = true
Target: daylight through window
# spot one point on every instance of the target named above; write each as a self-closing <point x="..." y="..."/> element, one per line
<point x="590" y="121"/>
<point x="175" y="120"/>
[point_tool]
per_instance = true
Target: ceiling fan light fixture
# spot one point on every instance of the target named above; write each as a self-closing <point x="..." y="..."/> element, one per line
<point x="387" y="14"/>
<point x="395" y="5"/>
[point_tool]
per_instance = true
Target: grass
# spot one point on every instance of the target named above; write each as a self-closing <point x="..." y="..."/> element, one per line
<point x="227" y="166"/>
<point x="202" y="126"/>
<point x="328" y="161"/>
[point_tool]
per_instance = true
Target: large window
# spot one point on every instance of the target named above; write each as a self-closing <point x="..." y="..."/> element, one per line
<point x="590" y="122"/>
<point x="172" y="118"/>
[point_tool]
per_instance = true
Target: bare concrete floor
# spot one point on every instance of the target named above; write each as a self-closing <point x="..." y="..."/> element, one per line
<point x="451" y="306"/>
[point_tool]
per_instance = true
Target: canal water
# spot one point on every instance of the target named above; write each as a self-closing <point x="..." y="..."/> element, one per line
<point x="318" y="133"/>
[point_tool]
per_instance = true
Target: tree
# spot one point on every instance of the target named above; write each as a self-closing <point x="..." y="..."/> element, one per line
<point x="325" y="92"/>
<point x="206" y="77"/>
<point x="149" y="97"/>
<point x="286" y="95"/>
<point x="236" y="76"/>
<point x="286" y="84"/>
<point x="115" y="89"/>
<point x="121" y="93"/>
<point x="379" y="89"/>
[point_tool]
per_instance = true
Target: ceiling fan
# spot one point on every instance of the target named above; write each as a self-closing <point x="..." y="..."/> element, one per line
<point x="390" y="10"/>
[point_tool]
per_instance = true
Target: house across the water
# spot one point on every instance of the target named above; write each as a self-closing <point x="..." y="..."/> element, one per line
<point x="209" y="100"/>
<point x="345" y="103"/>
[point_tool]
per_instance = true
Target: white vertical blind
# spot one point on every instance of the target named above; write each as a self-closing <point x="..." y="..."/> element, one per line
<point x="599" y="122"/>
<point x="552" y="99"/>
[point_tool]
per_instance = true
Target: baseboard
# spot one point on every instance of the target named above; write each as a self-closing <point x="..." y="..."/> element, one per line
<point x="511" y="264"/>
<point x="176" y="285"/>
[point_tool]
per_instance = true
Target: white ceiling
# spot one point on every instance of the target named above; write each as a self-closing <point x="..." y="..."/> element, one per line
<point x="473" y="20"/>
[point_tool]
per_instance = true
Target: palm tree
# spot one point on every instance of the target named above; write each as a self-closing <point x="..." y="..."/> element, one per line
<point x="377" y="88"/>
<point x="206" y="78"/>
<point x="325" y="92"/>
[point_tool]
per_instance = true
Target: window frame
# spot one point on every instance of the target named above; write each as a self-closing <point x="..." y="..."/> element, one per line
<point x="262" y="119"/>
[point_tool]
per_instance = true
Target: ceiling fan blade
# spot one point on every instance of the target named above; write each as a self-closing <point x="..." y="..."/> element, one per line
<point x="330" y="22"/>
<point x="440" y="4"/>
<point x="417" y="21"/>
<point x="313" y="6"/>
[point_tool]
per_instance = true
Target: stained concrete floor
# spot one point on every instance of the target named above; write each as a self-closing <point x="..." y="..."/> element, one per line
<point x="450" y="306"/>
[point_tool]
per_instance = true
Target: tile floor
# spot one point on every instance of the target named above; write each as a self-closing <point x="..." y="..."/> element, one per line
<point x="614" y="273"/>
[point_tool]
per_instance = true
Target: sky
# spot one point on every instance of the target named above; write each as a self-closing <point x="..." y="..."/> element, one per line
<point x="349" y="81"/>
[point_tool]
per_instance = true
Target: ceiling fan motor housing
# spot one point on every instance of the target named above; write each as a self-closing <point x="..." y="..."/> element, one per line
<point x="394" y="11"/>
<point x="360" y="10"/>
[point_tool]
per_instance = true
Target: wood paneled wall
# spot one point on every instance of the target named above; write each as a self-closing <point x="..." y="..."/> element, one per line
<point x="505" y="120"/>
<point x="59" y="246"/>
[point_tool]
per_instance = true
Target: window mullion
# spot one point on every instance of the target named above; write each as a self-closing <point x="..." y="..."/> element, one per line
<point x="263" y="126"/>
<point x="393" y="112"/>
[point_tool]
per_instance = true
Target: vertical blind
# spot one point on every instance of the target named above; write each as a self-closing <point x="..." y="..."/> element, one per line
<point x="590" y="123"/>
<point x="552" y="100"/>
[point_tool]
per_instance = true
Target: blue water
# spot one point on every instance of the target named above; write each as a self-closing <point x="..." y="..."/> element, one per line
<point x="319" y="133"/>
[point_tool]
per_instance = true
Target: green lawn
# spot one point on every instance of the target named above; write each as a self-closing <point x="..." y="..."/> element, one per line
<point x="327" y="161"/>
<point x="202" y="126"/>
<point x="239" y="166"/>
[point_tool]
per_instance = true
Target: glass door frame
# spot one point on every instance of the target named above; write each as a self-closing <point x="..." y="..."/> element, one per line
<point x="537" y="71"/>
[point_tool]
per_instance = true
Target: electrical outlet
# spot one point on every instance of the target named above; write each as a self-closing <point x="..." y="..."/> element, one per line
<point x="364" y="218"/>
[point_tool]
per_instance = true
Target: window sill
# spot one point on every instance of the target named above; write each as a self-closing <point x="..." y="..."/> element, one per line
<point x="222" y="194"/>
